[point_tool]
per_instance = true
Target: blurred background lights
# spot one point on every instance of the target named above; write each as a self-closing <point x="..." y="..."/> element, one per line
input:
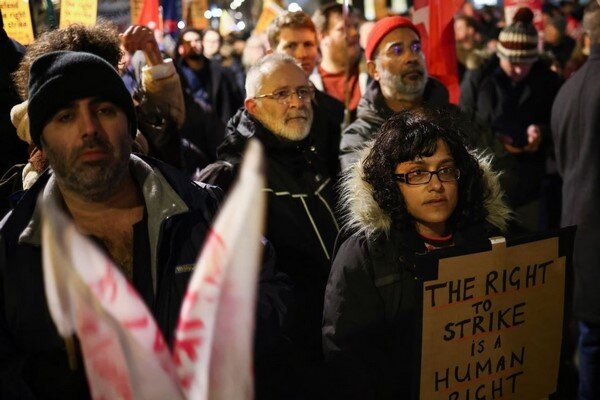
<point x="207" y="14"/>
<point x="241" y="25"/>
<point x="181" y="25"/>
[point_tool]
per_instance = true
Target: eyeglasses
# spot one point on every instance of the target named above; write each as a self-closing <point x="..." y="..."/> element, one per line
<point x="446" y="174"/>
<point x="283" y="96"/>
<point x="397" y="49"/>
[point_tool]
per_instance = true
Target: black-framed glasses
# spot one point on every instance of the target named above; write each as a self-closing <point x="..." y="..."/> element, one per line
<point x="446" y="174"/>
<point x="283" y="96"/>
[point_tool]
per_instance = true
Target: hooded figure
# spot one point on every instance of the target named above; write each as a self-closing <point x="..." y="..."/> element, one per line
<point x="396" y="209"/>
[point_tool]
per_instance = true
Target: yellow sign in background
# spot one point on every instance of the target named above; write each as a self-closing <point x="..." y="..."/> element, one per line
<point x="78" y="12"/>
<point x="193" y="13"/>
<point x="492" y="324"/>
<point x="17" y="20"/>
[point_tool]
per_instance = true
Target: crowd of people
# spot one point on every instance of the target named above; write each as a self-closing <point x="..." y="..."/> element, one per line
<point x="367" y="162"/>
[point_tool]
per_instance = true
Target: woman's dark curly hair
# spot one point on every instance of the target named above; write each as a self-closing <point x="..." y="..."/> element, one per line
<point x="412" y="134"/>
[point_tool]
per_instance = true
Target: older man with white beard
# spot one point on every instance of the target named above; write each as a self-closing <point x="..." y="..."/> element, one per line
<point x="301" y="224"/>
<point x="397" y="65"/>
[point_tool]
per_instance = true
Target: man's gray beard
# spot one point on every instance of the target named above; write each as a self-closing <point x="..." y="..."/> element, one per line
<point x="399" y="90"/>
<point x="96" y="182"/>
<point x="278" y="128"/>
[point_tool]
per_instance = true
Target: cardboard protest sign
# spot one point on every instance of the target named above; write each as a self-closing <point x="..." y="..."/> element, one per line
<point x="492" y="323"/>
<point x="82" y="12"/>
<point x="17" y="20"/>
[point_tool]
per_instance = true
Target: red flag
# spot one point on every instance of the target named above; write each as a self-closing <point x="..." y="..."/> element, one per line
<point x="434" y="20"/>
<point x="149" y="15"/>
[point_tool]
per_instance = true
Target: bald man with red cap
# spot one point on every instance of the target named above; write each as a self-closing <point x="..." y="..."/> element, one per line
<point x="396" y="64"/>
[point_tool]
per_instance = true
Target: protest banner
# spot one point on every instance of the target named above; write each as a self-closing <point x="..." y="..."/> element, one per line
<point x="17" y="20"/>
<point x="82" y="12"/>
<point x="492" y="322"/>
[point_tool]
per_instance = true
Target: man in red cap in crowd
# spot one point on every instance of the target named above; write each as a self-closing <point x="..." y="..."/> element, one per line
<point x="396" y="63"/>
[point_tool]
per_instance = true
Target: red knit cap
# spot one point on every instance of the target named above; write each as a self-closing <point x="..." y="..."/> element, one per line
<point x="382" y="28"/>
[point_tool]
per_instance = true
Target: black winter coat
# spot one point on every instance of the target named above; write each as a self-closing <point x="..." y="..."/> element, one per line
<point x="370" y="352"/>
<point x="576" y="132"/>
<point x="508" y="110"/>
<point x="33" y="358"/>
<point x="301" y="223"/>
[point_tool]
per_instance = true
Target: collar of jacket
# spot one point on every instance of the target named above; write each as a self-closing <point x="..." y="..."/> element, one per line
<point x="160" y="199"/>
<point x="361" y="212"/>
<point x="243" y="126"/>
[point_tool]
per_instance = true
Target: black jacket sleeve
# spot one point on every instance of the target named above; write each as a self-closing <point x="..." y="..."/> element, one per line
<point x="353" y="324"/>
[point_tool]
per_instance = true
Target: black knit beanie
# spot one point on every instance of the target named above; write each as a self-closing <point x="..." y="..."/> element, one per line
<point x="60" y="77"/>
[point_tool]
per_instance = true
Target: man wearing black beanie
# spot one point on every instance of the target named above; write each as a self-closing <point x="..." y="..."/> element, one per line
<point x="82" y="117"/>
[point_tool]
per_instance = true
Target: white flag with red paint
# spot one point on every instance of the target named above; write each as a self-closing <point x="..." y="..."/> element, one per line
<point x="214" y="339"/>
<point x="123" y="350"/>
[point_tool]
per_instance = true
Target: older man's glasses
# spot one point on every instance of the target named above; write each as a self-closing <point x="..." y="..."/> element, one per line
<point x="284" y="96"/>
<point x="446" y="174"/>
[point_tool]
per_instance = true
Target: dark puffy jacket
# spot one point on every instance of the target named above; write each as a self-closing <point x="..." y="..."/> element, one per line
<point x="370" y="352"/>
<point x="372" y="112"/>
<point x="326" y="130"/>
<point x="301" y="223"/>
<point x="33" y="358"/>
<point x="508" y="110"/>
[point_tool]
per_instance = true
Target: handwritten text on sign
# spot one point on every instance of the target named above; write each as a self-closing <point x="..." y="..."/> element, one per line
<point x="17" y="20"/>
<point x="78" y="12"/>
<point x="492" y="324"/>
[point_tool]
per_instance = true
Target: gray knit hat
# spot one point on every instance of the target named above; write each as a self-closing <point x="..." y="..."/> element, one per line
<point x="518" y="42"/>
<point x="59" y="77"/>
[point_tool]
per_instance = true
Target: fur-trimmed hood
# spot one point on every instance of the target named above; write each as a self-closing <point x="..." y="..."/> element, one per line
<point x="361" y="213"/>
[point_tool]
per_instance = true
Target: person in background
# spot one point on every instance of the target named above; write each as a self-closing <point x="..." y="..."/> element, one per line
<point x="400" y="81"/>
<point x="210" y="85"/>
<point x="470" y="53"/>
<point x="576" y="133"/>
<point x="211" y="43"/>
<point x="512" y="94"/>
<point x="340" y="50"/>
<point x="294" y="34"/>
<point x="557" y="42"/>
<point x="301" y="222"/>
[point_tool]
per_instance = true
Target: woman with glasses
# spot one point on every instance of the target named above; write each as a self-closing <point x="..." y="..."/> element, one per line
<point x="417" y="188"/>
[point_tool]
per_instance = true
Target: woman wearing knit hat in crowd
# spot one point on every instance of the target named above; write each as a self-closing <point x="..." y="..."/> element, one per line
<point x="513" y="95"/>
<point x="417" y="188"/>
